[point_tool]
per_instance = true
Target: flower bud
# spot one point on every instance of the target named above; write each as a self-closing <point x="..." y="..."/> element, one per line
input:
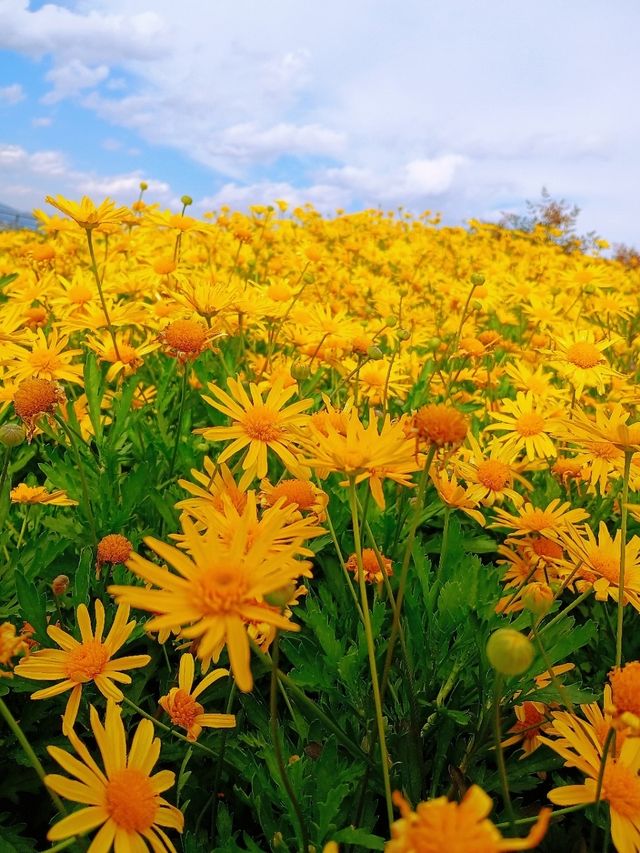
<point x="280" y="597"/>
<point x="186" y="200"/>
<point x="144" y="185"/>
<point x="391" y="320"/>
<point x="11" y="435"/>
<point x="374" y="353"/>
<point x="59" y="585"/>
<point x="300" y="371"/>
<point x="509" y="651"/>
<point x="403" y="334"/>
<point x="433" y="343"/>
<point x="477" y="279"/>
<point x="476" y="305"/>
<point x="538" y="598"/>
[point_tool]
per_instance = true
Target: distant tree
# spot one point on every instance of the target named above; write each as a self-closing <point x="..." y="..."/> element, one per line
<point x="627" y="255"/>
<point x="556" y="218"/>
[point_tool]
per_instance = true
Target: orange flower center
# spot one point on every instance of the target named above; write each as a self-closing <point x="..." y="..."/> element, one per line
<point x="625" y="685"/>
<point x="604" y="450"/>
<point x="440" y="424"/>
<point x="79" y="294"/>
<point x="493" y="474"/>
<point x="183" y="708"/>
<point x="35" y="397"/>
<point x="86" y="661"/>
<point x="584" y="355"/>
<point x="186" y="336"/>
<point x="530" y="423"/>
<point x="221" y="590"/>
<point x="370" y="565"/>
<point x="546" y="548"/>
<point x="298" y="492"/>
<point x="605" y="565"/>
<point x="114" y="548"/>
<point x="621" y="788"/>
<point x="261" y="424"/>
<point x="130" y="800"/>
<point x="164" y="266"/>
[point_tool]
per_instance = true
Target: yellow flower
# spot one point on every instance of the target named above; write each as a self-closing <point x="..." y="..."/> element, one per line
<point x="47" y="359"/>
<point x="364" y="453"/>
<point x="79" y="662"/>
<point x="456" y="496"/>
<point x="260" y="424"/>
<point x="531" y="721"/>
<point x="180" y="703"/>
<point x="579" y="358"/>
<point x="306" y="497"/>
<point x="611" y="428"/>
<point x="215" y="485"/>
<point x="128" y="359"/>
<point x="217" y="591"/>
<point x="441" y="826"/>
<point x="121" y="796"/>
<point x="492" y="470"/>
<point x="547" y="522"/>
<point x="87" y="215"/>
<point x="11" y="645"/>
<point x="23" y="494"/>
<point x="527" y="426"/>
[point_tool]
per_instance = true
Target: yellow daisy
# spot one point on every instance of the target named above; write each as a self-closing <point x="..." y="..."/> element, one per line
<point x="180" y="702"/>
<point x="527" y="425"/>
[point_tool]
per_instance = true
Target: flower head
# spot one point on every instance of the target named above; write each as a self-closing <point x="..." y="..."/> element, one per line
<point x="24" y="494"/>
<point x="180" y="703"/>
<point x="86" y="214"/>
<point x="440" y="425"/>
<point x="121" y="796"/>
<point x="34" y="398"/>
<point x="373" y="570"/>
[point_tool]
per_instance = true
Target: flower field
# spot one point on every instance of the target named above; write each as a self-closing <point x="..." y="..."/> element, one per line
<point x="317" y="533"/>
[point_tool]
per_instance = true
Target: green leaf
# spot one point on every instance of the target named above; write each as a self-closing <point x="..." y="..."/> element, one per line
<point x="94" y="389"/>
<point x="360" y="837"/>
<point x="33" y="606"/>
<point x="82" y="578"/>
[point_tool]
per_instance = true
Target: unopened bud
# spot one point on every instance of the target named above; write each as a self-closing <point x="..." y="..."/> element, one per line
<point x="309" y="278"/>
<point x="589" y="288"/>
<point x="11" y="435"/>
<point x="476" y="305"/>
<point x="509" y="652"/>
<point x="280" y="597"/>
<point x="59" y="585"/>
<point x="144" y="185"/>
<point x="538" y="598"/>
<point x="300" y="371"/>
<point x="277" y="840"/>
<point x="374" y="353"/>
<point x="391" y="320"/>
<point x="434" y="343"/>
<point x="186" y="200"/>
<point x="403" y="334"/>
<point x="477" y="279"/>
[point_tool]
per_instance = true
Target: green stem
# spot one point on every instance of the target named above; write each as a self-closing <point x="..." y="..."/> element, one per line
<point x="176" y="443"/>
<point x="523" y="821"/>
<point x="384" y="756"/>
<point x="168" y="729"/>
<point x="83" y="480"/>
<point x="28" y="751"/>
<point x="96" y="275"/>
<point x="277" y="747"/>
<point x="623" y="553"/>
<point x="561" y="615"/>
<point x="5" y="469"/>
<point x="62" y="845"/>
<point x="603" y="763"/>
<point x="562" y="693"/>
<point x="445" y="542"/>
<point x="218" y="772"/>
<point x="497" y="734"/>
<point x="404" y="572"/>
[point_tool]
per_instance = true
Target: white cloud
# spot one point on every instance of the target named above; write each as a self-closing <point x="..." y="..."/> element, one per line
<point x="72" y="78"/>
<point x="12" y="94"/>
<point x="42" y="121"/>
<point x="325" y="197"/>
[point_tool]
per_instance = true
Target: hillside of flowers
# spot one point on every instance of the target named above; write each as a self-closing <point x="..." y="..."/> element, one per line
<point x="317" y="534"/>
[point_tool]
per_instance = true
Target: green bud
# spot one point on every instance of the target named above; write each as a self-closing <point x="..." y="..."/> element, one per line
<point x="11" y="435"/>
<point x="403" y="334"/>
<point x="476" y="305"/>
<point x="391" y="320"/>
<point x="509" y="651"/>
<point x="280" y="597"/>
<point x="477" y="279"/>
<point x="144" y="185"/>
<point x="300" y="371"/>
<point x="186" y="200"/>
<point x="434" y="343"/>
<point x="309" y="278"/>
<point x="374" y="353"/>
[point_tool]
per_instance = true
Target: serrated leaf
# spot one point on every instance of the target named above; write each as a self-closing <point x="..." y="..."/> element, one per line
<point x="360" y="837"/>
<point x="94" y="389"/>
<point x="33" y="606"/>
<point x="82" y="578"/>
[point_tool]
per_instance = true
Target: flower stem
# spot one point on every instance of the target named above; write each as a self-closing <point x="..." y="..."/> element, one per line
<point x="623" y="552"/>
<point x="277" y="748"/>
<point x="96" y="275"/>
<point x="384" y="756"/>
<point x="28" y="751"/>
<point x="603" y="763"/>
<point x="83" y="480"/>
<point x="445" y="542"/>
<point x="176" y="443"/>
<point x="165" y="728"/>
<point x="497" y="734"/>
<point x="5" y="469"/>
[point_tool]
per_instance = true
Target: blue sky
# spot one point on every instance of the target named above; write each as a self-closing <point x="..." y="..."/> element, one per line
<point x="465" y="107"/>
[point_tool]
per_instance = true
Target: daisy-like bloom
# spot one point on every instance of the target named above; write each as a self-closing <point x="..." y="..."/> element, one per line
<point x="303" y="495"/>
<point x="374" y="376"/>
<point x="598" y="560"/>
<point x="441" y="826"/>
<point x="216" y="591"/>
<point x="566" y="470"/>
<point x="363" y="453"/>
<point x="373" y="573"/>
<point x="532" y="721"/>
<point x="215" y="482"/>
<point x="87" y="215"/>
<point x="120" y="795"/>
<point x="581" y="745"/>
<point x="23" y="494"/>
<point x="48" y="359"/>
<point x="440" y="425"/>
<point x="114" y="549"/>
<point x="580" y="359"/>
<point x="180" y="702"/>
<point x="526" y="425"/>
<point x="524" y="378"/>
<point x="259" y="424"/>
<point x="625" y="695"/>
<point x="611" y="428"/>
<point x="12" y="646"/>
<point x="547" y="522"/>
<point x="493" y="470"/>
<point x="34" y="398"/>
<point x="128" y="359"/>
<point x="186" y="339"/>
<point x="79" y="662"/>
<point x="456" y="496"/>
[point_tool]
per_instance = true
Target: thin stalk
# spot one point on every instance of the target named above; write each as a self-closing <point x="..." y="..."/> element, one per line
<point x="83" y="480"/>
<point x="176" y="443"/>
<point x="219" y="763"/>
<point x="384" y="756"/>
<point x="564" y="696"/>
<point x="34" y="761"/>
<point x="623" y="553"/>
<point x="62" y="845"/>
<point x="168" y="729"/>
<point x="96" y="275"/>
<point x="445" y="542"/>
<point x="301" y="832"/>
<point x="561" y="615"/>
<point x="603" y="763"/>
<point x="343" y="566"/>
<point x="404" y="571"/>
<point x="497" y="734"/>
<point x="523" y="821"/>
<point x="5" y="469"/>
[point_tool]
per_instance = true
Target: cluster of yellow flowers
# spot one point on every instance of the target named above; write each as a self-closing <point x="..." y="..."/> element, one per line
<point x="465" y="360"/>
